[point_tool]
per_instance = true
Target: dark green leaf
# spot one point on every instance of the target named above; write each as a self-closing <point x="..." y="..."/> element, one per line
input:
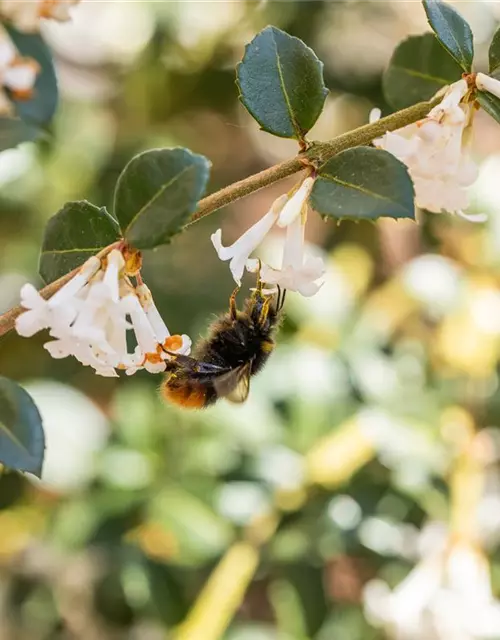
<point x="452" y="31"/>
<point x="364" y="184"/>
<point x="13" y="131"/>
<point x="494" y="53"/>
<point x="41" y="108"/>
<point x="490" y="103"/>
<point x="22" y="441"/>
<point x="156" y="194"/>
<point x="76" y="232"/>
<point x="281" y="83"/>
<point x="419" y="67"/>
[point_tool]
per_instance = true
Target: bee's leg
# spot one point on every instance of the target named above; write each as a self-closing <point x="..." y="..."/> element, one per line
<point x="281" y="298"/>
<point x="233" y="311"/>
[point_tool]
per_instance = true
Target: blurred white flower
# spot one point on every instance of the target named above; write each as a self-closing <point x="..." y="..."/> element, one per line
<point x="26" y="14"/>
<point x="447" y="596"/>
<point x="17" y="74"/>
<point x="241" y="502"/>
<point x="90" y="315"/>
<point x="436" y="151"/>
<point x="75" y="430"/>
<point x="297" y="272"/>
<point x="435" y="281"/>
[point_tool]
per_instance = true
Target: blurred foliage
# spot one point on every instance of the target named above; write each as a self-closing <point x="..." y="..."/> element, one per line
<point x="284" y="508"/>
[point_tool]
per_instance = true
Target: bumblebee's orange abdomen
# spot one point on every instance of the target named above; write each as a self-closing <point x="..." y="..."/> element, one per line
<point x="184" y="393"/>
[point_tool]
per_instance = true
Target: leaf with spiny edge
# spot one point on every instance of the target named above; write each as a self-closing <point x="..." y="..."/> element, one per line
<point x="452" y="31"/>
<point x="364" y="184"/>
<point x="157" y="193"/>
<point x="281" y="85"/>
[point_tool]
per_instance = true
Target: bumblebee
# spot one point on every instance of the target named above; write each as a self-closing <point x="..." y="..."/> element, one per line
<point x="237" y="347"/>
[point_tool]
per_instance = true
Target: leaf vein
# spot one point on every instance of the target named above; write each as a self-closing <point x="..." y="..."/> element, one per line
<point x="357" y="187"/>
<point x="157" y="195"/>
<point x="295" y="125"/>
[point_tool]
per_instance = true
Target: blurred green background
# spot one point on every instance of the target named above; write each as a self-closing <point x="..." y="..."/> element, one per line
<point x="375" y="422"/>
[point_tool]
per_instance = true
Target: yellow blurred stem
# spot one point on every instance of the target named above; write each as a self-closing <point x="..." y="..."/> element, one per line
<point x="222" y="595"/>
<point x="335" y="458"/>
<point x="467" y="477"/>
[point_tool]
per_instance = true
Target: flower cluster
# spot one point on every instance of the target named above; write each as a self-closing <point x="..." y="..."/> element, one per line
<point x="17" y="74"/>
<point x="298" y="272"/>
<point x="25" y="15"/>
<point x="436" y="151"/>
<point x="90" y="315"/>
<point x="447" y="595"/>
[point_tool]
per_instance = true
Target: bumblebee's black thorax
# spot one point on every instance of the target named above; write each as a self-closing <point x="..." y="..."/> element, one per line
<point x="233" y="342"/>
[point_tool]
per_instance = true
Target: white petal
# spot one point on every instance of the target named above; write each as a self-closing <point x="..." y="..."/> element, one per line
<point x="73" y="287"/>
<point x="473" y="217"/>
<point x="59" y="348"/>
<point x="143" y="330"/>
<point x="154" y="367"/>
<point x="7" y="52"/>
<point x="20" y="77"/>
<point x="293" y="208"/>
<point x="115" y="264"/>
<point x="239" y="252"/>
<point x="487" y="83"/>
<point x="30" y="322"/>
<point x="30" y="298"/>
<point x="375" y="115"/>
<point x="159" y="327"/>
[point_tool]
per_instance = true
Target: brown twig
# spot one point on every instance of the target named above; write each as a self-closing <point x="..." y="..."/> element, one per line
<point x="316" y="155"/>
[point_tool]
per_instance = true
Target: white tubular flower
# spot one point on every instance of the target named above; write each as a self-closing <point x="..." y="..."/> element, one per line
<point x="297" y="273"/>
<point x="489" y="84"/>
<point x="239" y="252"/>
<point x="25" y="15"/>
<point x="16" y="74"/>
<point x="436" y="152"/>
<point x="89" y="318"/>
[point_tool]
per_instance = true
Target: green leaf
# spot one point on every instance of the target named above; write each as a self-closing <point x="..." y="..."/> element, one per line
<point x="364" y="184"/>
<point x="494" y="53"/>
<point x="490" y="103"/>
<point x="13" y="131"/>
<point x="452" y="31"/>
<point x="41" y="108"/>
<point x="156" y="194"/>
<point x="76" y="232"/>
<point x="22" y="441"/>
<point x="419" y="67"/>
<point x="281" y="83"/>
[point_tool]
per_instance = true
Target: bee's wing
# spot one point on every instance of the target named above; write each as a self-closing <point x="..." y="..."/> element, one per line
<point x="234" y="385"/>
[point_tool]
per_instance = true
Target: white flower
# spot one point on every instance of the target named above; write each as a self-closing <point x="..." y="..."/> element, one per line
<point x="436" y="152"/>
<point x="447" y="596"/>
<point x="90" y="315"/>
<point x="26" y="14"/>
<point x="17" y="74"/>
<point x="486" y="83"/>
<point x="297" y="272"/>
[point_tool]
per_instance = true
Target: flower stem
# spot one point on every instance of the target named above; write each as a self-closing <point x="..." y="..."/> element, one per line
<point x="317" y="154"/>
